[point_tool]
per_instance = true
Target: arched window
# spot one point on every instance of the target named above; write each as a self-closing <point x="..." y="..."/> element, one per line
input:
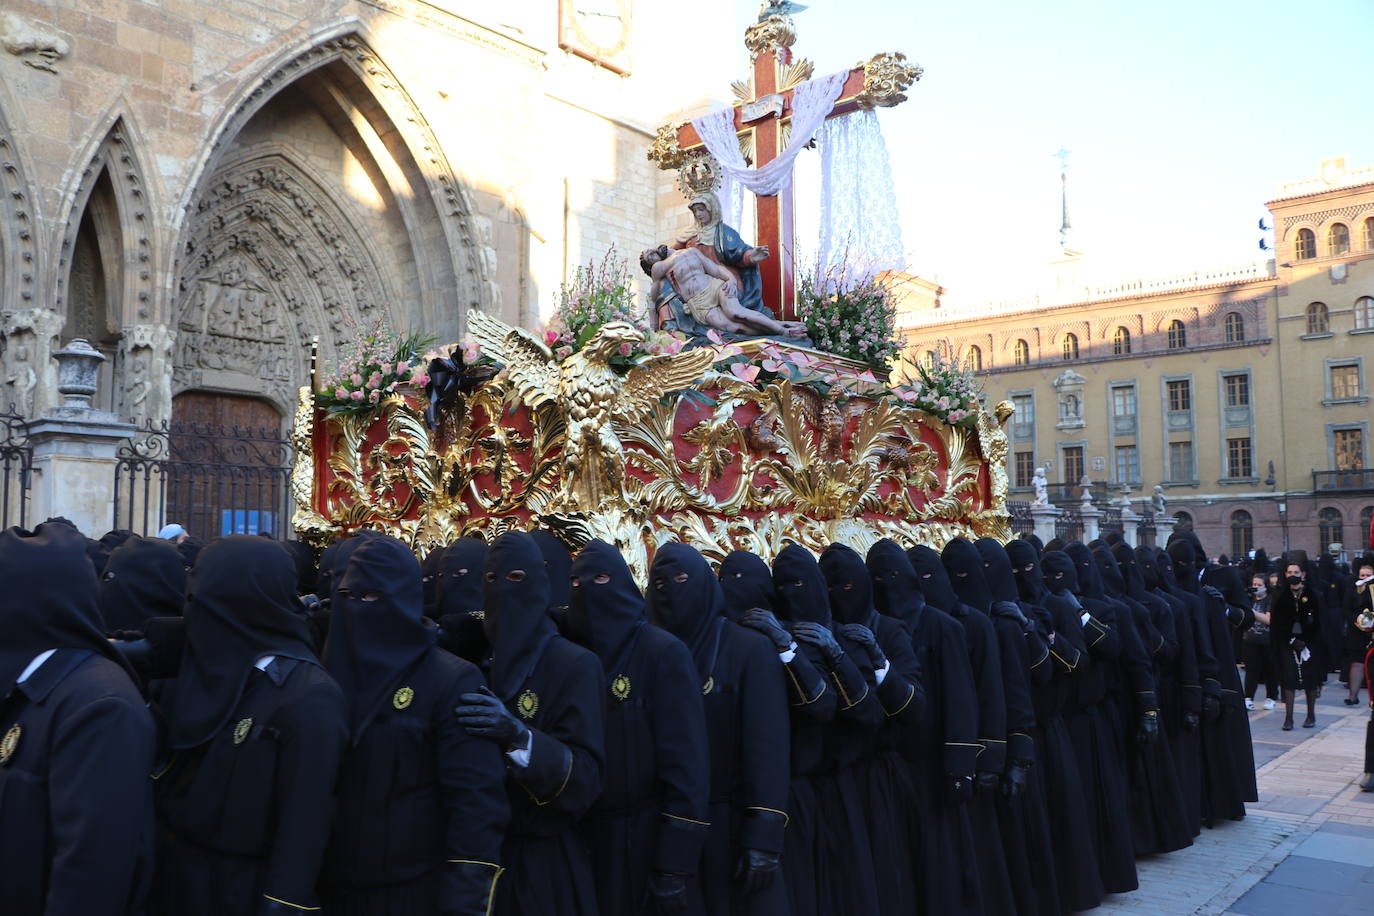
<point x="931" y="360"/>
<point x="1318" y="319"/>
<point x="1242" y="533"/>
<point x="1185" y="521"/>
<point x="1070" y="348"/>
<point x="1305" y="246"/>
<point x="1338" y="239"/>
<point x="1369" y="232"/>
<point x="1366" y="524"/>
<point x="1021" y="353"/>
<point x="1330" y="526"/>
<point x="975" y="359"/>
<point x="1121" y="342"/>
<point x="1235" y="327"/>
<point x="1364" y="313"/>
<point x="1178" y="335"/>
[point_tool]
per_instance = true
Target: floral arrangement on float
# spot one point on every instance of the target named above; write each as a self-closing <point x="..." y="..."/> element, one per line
<point x="943" y="387"/>
<point x="375" y="364"/>
<point x="850" y="315"/>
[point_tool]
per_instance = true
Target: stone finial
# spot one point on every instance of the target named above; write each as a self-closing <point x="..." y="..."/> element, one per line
<point x="77" y="366"/>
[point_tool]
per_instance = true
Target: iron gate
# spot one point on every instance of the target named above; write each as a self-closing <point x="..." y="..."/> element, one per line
<point x="1069" y="525"/>
<point x="211" y="480"/>
<point x="16" y="469"/>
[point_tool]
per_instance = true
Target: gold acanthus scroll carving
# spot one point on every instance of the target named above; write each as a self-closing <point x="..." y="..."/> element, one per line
<point x="886" y="78"/>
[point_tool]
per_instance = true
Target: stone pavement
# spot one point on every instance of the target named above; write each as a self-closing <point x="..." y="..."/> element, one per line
<point x="1307" y="847"/>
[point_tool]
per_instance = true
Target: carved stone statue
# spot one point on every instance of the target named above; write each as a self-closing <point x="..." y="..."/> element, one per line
<point x="708" y="294"/>
<point x="1042" y="488"/>
<point x="27" y="371"/>
<point x="1158" y="502"/>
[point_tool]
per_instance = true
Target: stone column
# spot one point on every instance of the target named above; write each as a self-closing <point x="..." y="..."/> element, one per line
<point x="1044" y="517"/>
<point x="74" y="447"/>
<point x="1091" y="515"/>
<point x="1129" y="522"/>
<point x="1164" y="526"/>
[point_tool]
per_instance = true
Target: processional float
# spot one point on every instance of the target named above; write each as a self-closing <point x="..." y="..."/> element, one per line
<point x="723" y="446"/>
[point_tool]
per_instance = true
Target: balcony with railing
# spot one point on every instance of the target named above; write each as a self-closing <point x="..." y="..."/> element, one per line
<point x="1352" y="480"/>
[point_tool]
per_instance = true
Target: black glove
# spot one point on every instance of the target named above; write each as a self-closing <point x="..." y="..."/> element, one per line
<point x="1015" y="779"/>
<point x="757" y="870"/>
<point x="1148" y="730"/>
<point x="1211" y="709"/>
<point x="1234" y="615"/>
<point x="1297" y="645"/>
<point x="816" y="635"/>
<point x="668" y="893"/>
<point x="1214" y="594"/>
<point x="958" y="789"/>
<point x="1010" y="610"/>
<point x="485" y="716"/>
<point x="857" y="632"/>
<point x="986" y="782"/>
<point x="1190" y="721"/>
<point x="764" y="621"/>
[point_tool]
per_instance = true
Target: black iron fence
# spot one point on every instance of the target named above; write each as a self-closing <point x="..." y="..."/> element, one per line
<point x="1069" y="525"/>
<point x="211" y="480"/>
<point x="1352" y="479"/>
<point x="16" y="469"/>
<point x="1110" y="523"/>
<point x="1021" y="520"/>
<point x="1145" y="531"/>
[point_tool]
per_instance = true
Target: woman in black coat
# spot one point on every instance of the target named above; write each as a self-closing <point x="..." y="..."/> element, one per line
<point x="1295" y="627"/>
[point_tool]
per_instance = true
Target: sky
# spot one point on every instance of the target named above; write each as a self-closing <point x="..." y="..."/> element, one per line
<point x="1182" y="118"/>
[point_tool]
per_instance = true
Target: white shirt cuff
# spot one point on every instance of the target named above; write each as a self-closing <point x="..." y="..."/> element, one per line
<point x="882" y="672"/>
<point x="1085" y="618"/>
<point x="520" y="756"/>
<point x="789" y="654"/>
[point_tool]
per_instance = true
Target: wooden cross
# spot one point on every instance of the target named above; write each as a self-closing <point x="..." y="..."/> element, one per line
<point x="763" y="115"/>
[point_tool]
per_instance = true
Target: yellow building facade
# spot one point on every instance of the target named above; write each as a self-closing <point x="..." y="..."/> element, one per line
<point x="1242" y="394"/>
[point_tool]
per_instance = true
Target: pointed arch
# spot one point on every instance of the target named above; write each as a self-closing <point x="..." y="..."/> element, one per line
<point x="18" y="251"/>
<point x="116" y="164"/>
<point x="462" y="260"/>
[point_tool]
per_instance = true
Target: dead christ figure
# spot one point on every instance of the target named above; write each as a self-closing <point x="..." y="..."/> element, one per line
<point x="709" y="293"/>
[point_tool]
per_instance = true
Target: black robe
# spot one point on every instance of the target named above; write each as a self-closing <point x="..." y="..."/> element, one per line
<point x="76" y="740"/>
<point x="1072" y="824"/>
<point x="746" y="701"/>
<point x="143" y="578"/>
<point x="1230" y="617"/>
<point x="422" y="805"/>
<point x="653" y="815"/>
<point x="945" y="748"/>
<point x="555" y="688"/>
<point x="1184" y="723"/>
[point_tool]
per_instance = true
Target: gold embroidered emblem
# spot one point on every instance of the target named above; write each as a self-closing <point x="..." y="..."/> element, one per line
<point x="620" y="687"/>
<point x="527" y="704"/>
<point x="10" y="743"/>
<point x="401" y="699"/>
<point x="241" y="730"/>
<point x="709" y="685"/>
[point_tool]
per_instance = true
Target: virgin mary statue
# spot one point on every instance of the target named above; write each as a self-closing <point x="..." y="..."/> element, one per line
<point x="722" y="244"/>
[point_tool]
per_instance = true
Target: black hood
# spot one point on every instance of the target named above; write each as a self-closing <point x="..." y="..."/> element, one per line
<point x="304" y="560"/>
<point x="605" y="608"/>
<point x="1061" y="575"/>
<point x="458" y="584"/>
<point x="1185" y="563"/>
<point x="324" y="575"/>
<point x="1025" y="565"/>
<point x="686" y="599"/>
<point x="429" y="580"/>
<point x="52" y="599"/>
<point x="747" y="582"/>
<point x="849" y="585"/>
<point x="558" y="563"/>
<point x="99" y="551"/>
<point x="896" y="588"/>
<point x="1147" y="566"/>
<point x="338" y="561"/>
<point x="964" y="564"/>
<point x="997" y="569"/>
<point x="1120" y="579"/>
<point x="932" y="578"/>
<point x="241" y="605"/>
<point x="1089" y="582"/>
<point x="143" y="578"/>
<point x="515" y="599"/>
<point x="1228" y="581"/>
<point x="803" y="596"/>
<point x="377" y="631"/>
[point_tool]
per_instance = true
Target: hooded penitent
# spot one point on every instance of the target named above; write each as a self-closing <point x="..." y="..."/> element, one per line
<point x="1184" y="559"/>
<point x="458" y="581"/>
<point x="558" y="566"/>
<point x="241" y="606"/>
<point x="605" y="608"/>
<point x="965" y="567"/>
<point x="1025" y="565"/>
<point x="1089" y="579"/>
<point x="800" y="585"/>
<point x="515" y="601"/>
<point x="51" y="599"/>
<point x="143" y="578"/>
<point x="429" y="580"/>
<point x="747" y="583"/>
<point x="377" y="633"/>
<point x="1059" y="573"/>
<point x="687" y="600"/>
<point x="896" y="587"/>
<point x="933" y="579"/>
<point x="304" y="558"/>
<point x="850" y="586"/>
<point x="997" y="570"/>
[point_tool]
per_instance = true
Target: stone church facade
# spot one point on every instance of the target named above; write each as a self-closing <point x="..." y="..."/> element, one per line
<point x="204" y="189"/>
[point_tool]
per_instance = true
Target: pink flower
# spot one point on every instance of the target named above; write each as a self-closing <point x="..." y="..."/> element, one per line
<point x="419" y="380"/>
<point x="867" y="376"/>
<point x="744" y="372"/>
<point x="772" y="365"/>
<point x="341" y="393"/>
<point x="550" y="336"/>
<point x="356" y="379"/>
<point x="562" y="353"/>
<point x="374" y="396"/>
<point x="626" y="349"/>
<point x="714" y="336"/>
<point x="357" y="395"/>
<point x="401" y="367"/>
<point x="906" y="394"/>
<point x="375" y="380"/>
<point x="673" y="345"/>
